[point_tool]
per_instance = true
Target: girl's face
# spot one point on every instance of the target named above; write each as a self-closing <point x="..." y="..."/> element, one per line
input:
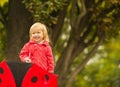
<point x="37" y="35"/>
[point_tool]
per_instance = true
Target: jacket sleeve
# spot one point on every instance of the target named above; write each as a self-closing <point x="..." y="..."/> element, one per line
<point x="24" y="52"/>
<point x="50" y="59"/>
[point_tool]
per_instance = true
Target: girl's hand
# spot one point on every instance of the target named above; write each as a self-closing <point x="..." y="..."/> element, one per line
<point x="27" y="60"/>
<point x="51" y="71"/>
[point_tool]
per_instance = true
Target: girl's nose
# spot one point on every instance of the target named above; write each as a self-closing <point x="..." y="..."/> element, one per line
<point x="35" y="34"/>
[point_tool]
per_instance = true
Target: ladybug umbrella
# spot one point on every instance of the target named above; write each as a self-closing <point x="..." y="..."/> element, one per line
<point x="36" y="77"/>
<point x="14" y="74"/>
<point x="6" y="77"/>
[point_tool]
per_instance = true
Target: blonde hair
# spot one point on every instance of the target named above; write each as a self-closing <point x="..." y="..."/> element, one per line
<point x="42" y="27"/>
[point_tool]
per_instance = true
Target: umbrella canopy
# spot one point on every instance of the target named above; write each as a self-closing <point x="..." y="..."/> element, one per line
<point x="14" y="74"/>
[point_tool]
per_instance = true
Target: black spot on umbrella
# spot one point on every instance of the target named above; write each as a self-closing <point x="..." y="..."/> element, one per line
<point x="34" y="79"/>
<point x="47" y="77"/>
<point x="1" y="70"/>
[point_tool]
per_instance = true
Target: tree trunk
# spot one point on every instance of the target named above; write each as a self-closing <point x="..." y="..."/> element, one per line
<point x="19" y="21"/>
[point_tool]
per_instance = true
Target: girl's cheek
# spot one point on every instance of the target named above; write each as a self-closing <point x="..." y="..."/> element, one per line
<point x="33" y="35"/>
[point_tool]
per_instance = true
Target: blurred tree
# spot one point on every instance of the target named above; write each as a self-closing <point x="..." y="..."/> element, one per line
<point x="3" y="10"/>
<point x="103" y="70"/>
<point x="19" y="21"/>
<point x="76" y="29"/>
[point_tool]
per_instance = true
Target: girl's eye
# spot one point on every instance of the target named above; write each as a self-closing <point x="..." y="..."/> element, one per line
<point x="39" y="32"/>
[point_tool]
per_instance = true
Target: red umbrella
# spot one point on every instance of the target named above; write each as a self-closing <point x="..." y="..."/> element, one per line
<point x="37" y="77"/>
<point x="6" y="77"/>
<point x="34" y="77"/>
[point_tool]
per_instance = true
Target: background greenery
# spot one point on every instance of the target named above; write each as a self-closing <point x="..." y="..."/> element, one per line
<point x="2" y="34"/>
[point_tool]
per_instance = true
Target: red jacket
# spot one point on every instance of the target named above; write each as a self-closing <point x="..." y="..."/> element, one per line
<point x="40" y="54"/>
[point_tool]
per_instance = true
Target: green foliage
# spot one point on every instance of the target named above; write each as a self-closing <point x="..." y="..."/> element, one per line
<point x="103" y="70"/>
<point x="44" y="10"/>
<point x="106" y="16"/>
<point x="3" y="19"/>
<point x="2" y="41"/>
<point x="2" y="2"/>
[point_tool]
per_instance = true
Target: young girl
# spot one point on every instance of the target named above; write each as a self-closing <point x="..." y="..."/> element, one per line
<point x="38" y="50"/>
